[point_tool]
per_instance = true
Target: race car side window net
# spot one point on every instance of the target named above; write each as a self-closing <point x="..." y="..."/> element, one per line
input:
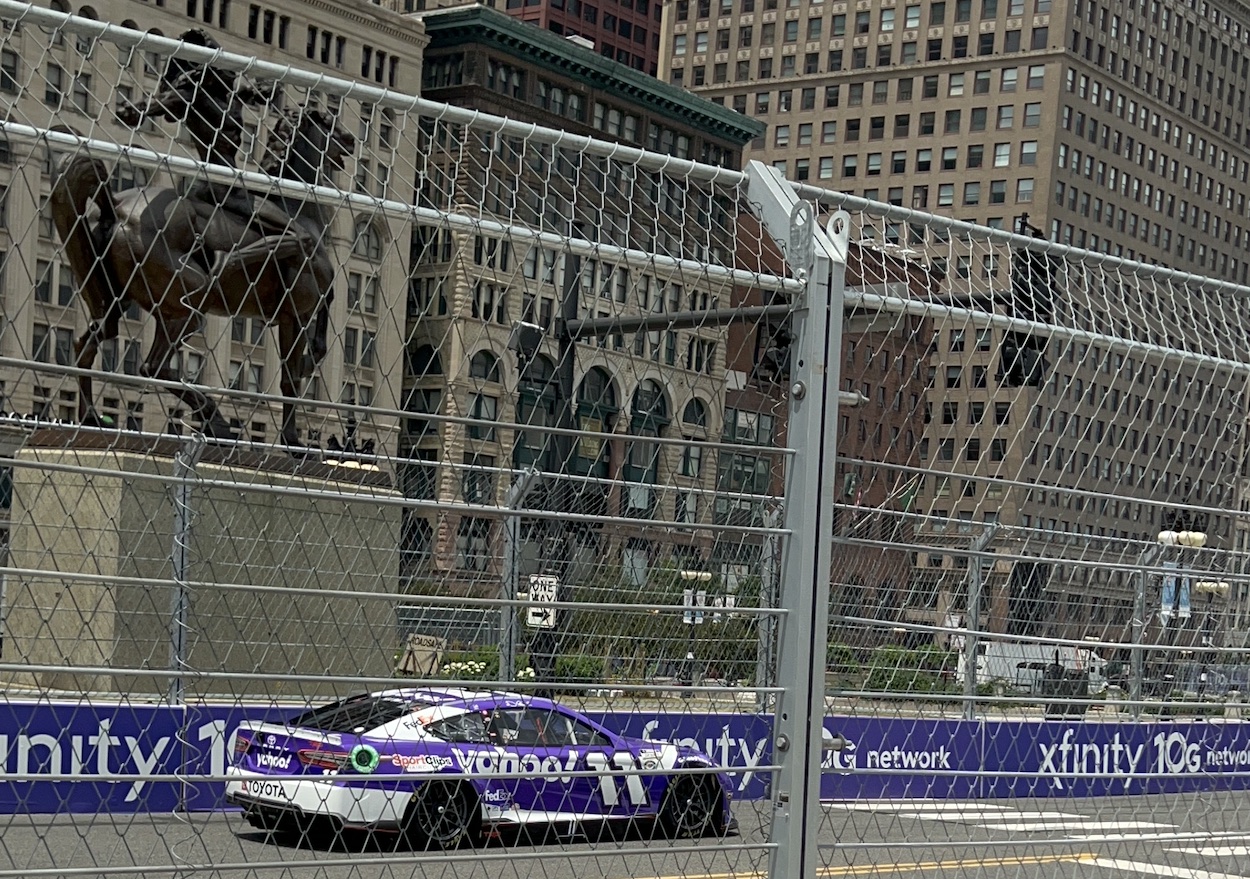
<point x="469" y="728"/>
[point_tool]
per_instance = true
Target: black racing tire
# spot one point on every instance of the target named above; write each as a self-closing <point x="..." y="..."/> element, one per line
<point x="442" y="815"/>
<point x="692" y="807"/>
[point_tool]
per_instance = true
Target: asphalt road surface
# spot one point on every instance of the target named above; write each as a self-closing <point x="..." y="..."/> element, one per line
<point x="1190" y="836"/>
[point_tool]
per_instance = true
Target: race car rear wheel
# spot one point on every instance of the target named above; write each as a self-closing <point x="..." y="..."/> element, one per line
<point x="441" y="815"/>
<point x="691" y="806"/>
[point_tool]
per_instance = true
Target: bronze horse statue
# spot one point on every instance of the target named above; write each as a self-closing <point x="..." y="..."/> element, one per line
<point x="208" y="249"/>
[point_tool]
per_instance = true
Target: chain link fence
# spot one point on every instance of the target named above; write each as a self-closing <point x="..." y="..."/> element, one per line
<point x="394" y="488"/>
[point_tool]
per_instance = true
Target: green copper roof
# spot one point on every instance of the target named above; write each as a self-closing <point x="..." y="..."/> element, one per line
<point x="481" y="24"/>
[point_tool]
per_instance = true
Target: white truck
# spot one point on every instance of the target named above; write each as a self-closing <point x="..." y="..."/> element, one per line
<point x="1021" y="665"/>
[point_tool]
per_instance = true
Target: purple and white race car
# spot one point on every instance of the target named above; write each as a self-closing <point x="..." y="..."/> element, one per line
<point x="445" y="766"/>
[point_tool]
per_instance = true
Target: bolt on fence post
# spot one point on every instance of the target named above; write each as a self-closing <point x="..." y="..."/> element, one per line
<point x="184" y="470"/>
<point x="819" y="258"/>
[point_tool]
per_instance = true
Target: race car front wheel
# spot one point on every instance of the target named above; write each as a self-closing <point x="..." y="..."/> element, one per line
<point x="691" y="806"/>
<point x="441" y="815"/>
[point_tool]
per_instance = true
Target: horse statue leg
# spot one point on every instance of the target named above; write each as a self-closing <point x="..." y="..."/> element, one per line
<point x="292" y="349"/>
<point x="84" y="214"/>
<point x="171" y="332"/>
<point x="86" y="347"/>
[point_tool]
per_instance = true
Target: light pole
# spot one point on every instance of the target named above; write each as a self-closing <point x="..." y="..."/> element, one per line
<point x="694" y="603"/>
<point x="1209" y="588"/>
<point x="1168" y="598"/>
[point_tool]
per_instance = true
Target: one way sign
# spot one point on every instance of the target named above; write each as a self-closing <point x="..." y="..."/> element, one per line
<point x="543" y="591"/>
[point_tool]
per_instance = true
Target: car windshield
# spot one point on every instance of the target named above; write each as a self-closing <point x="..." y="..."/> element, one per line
<point x="358" y="714"/>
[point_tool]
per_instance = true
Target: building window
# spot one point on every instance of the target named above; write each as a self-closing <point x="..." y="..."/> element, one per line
<point x="10" y="78"/>
<point x="54" y="85"/>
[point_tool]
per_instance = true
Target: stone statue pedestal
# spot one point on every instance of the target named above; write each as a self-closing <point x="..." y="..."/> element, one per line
<point x="277" y="547"/>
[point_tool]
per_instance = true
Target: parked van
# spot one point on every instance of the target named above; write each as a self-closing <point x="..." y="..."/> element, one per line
<point x="1022" y="665"/>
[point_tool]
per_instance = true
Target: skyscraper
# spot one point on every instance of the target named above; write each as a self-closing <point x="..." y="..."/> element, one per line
<point x="1116" y="127"/>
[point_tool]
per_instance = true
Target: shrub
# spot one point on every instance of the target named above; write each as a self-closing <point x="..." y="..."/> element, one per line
<point x="899" y="670"/>
<point x="841" y="658"/>
<point x="579" y="669"/>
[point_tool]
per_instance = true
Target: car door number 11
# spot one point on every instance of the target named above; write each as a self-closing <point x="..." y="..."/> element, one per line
<point x="635" y="789"/>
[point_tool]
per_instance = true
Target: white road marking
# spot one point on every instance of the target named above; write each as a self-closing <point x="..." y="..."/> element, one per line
<point x="913" y="806"/>
<point x="1051" y="826"/>
<point x="1215" y="851"/>
<point x="1168" y="871"/>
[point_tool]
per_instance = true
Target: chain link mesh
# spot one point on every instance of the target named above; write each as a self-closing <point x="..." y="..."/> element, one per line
<point x="388" y="397"/>
<point x="329" y="420"/>
<point x="1038" y="599"/>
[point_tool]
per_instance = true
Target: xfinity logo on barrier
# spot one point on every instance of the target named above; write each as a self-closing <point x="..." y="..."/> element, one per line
<point x="1115" y="758"/>
<point x="99" y="754"/>
<point x="273" y="761"/>
<point x="730" y="752"/>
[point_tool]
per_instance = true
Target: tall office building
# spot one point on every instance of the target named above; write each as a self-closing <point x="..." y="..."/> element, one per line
<point x="626" y="31"/>
<point x="1115" y="126"/>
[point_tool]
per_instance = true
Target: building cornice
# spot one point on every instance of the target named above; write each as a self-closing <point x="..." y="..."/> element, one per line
<point x="376" y="18"/>
<point x="479" y="24"/>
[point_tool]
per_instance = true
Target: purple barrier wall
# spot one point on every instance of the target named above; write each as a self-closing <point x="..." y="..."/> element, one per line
<point x="885" y="757"/>
<point x="84" y="741"/>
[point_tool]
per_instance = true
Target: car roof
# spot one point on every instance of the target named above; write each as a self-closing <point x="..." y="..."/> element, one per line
<point x="462" y="697"/>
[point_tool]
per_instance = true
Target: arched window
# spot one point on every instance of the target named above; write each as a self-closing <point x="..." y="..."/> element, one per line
<point x="368" y="241"/>
<point x="649" y="418"/>
<point x="596" y="413"/>
<point x="484" y="367"/>
<point x="650" y="408"/>
<point x="695" y="413"/>
<point x="537" y="402"/>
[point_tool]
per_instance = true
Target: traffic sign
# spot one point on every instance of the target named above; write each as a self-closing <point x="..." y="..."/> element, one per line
<point x="543" y="590"/>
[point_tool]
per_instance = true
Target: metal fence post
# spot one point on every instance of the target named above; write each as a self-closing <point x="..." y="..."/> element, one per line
<point x="767" y="625"/>
<point x="1137" y="657"/>
<point x="184" y="470"/>
<point x="510" y="585"/>
<point x="819" y="258"/>
<point x="972" y="624"/>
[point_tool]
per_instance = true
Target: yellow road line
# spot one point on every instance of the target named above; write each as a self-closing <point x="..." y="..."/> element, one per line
<point x="912" y="867"/>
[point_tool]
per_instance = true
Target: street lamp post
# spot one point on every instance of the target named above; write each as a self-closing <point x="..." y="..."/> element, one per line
<point x="1209" y="588"/>
<point x="692" y="616"/>
<point x="1165" y="539"/>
